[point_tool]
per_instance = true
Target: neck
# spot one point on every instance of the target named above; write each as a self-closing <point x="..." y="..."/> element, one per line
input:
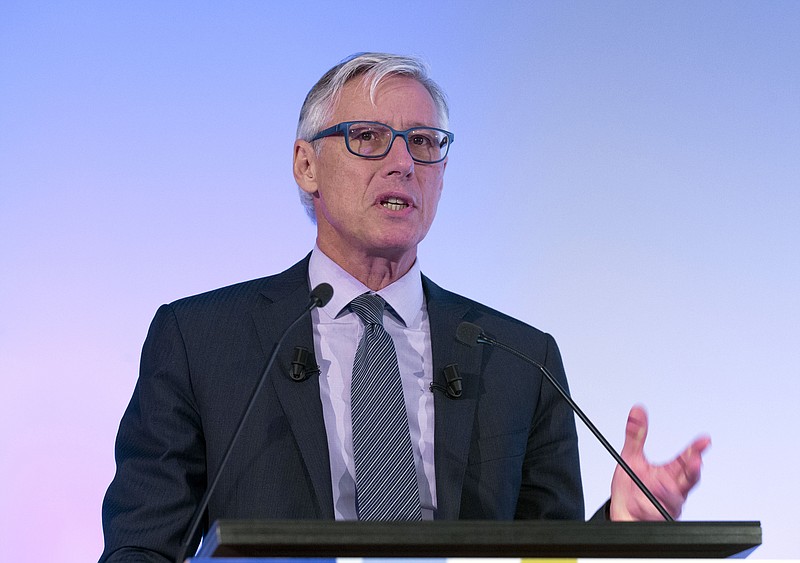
<point x="374" y="271"/>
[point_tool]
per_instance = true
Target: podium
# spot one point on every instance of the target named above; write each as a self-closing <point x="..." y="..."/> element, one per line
<point x="477" y="538"/>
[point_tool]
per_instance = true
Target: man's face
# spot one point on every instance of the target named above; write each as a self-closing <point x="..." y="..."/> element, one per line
<point x="380" y="207"/>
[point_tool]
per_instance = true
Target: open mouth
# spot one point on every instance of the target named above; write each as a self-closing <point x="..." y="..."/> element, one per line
<point x="394" y="204"/>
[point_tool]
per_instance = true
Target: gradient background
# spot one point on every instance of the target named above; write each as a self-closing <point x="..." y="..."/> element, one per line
<point x="625" y="176"/>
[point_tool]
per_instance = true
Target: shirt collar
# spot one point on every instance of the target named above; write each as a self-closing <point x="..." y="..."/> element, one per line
<point x="404" y="296"/>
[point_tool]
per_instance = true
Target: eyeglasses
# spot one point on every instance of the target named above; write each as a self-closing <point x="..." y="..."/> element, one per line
<point x="370" y="139"/>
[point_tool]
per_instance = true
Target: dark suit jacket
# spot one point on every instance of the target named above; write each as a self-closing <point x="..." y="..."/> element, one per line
<point x="506" y="449"/>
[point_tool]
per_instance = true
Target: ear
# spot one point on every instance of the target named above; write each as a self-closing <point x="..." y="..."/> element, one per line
<point x="305" y="166"/>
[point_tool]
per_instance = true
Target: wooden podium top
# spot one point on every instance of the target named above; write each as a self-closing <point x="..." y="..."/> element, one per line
<point x="477" y="538"/>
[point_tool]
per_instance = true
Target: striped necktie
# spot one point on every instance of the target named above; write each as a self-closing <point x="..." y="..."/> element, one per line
<point x="386" y="481"/>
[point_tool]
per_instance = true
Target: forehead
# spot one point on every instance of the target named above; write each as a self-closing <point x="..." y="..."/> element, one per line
<point x="399" y="101"/>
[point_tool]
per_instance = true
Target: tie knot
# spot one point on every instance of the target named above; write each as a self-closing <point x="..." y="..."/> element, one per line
<point x="369" y="308"/>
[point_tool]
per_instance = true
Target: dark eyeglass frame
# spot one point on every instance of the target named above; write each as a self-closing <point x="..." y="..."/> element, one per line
<point x="343" y="127"/>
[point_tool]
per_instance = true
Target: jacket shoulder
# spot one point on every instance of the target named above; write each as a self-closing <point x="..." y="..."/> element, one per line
<point x="243" y="294"/>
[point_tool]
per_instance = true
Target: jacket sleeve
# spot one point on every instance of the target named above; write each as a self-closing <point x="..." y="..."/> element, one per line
<point x="551" y="479"/>
<point x="160" y="454"/>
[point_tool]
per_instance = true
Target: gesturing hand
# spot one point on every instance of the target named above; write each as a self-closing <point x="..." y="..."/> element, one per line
<point x="670" y="483"/>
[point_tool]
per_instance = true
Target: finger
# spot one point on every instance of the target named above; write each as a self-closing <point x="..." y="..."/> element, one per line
<point x="671" y="492"/>
<point x="701" y="444"/>
<point x="691" y="460"/>
<point x="684" y="470"/>
<point x="670" y="497"/>
<point x="635" y="432"/>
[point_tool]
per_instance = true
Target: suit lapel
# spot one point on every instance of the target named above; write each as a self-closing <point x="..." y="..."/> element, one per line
<point x="285" y="297"/>
<point x="453" y="417"/>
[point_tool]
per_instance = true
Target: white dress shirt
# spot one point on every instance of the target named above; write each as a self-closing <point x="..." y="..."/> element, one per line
<point x="337" y="332"/>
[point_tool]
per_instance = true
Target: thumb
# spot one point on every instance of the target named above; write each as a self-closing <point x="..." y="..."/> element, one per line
<point x="635" y="432"/>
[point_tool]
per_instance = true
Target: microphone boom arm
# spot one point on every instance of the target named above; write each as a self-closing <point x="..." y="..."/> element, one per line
<point x="319" y="297"/>
<point x="483" y="339"/>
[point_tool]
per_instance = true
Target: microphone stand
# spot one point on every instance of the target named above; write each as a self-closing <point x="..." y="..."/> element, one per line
<point x="481" y="338"/>
<point x="320" y="296"/>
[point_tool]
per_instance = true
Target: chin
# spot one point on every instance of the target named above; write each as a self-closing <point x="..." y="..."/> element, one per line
<point x="393" y="250"/>
<point x="398" y="243"/>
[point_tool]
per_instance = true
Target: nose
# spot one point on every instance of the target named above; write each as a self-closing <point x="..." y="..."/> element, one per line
<point x="398" y="160"/>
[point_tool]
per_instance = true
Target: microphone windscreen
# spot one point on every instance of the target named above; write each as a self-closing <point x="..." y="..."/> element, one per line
<point x="322" y="294"/>
<point x="468" y="333"/>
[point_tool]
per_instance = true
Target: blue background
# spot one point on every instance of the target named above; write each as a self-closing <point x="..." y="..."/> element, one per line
<point x="625" y="176"/>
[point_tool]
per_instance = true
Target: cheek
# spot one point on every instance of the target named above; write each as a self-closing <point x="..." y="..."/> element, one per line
<point x="338" y="189"/>
<point x="432" y="207"/>
<point x="432" y="196"/>
<point x="435" y="187"/>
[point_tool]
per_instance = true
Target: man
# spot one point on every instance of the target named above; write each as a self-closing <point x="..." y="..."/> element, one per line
<point x="369" y="160"/>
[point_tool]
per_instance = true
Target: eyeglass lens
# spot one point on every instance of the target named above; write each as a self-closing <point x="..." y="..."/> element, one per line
<point x="373" y="139"/>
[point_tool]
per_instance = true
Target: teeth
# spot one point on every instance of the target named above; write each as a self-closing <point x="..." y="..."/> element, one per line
<point x="394" y="204"/>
